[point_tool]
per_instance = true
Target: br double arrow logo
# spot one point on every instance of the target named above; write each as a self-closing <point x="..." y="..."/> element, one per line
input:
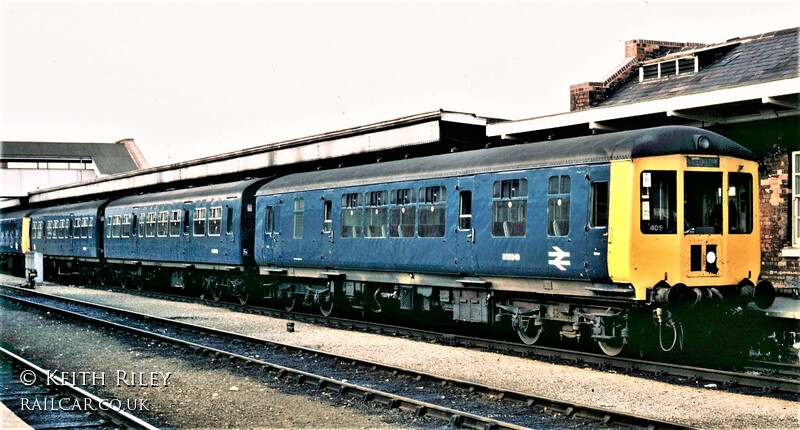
<point x="559" y="258"/>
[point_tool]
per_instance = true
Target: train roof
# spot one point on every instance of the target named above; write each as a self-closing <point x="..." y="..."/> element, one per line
<point x="208" y="192"/>
<point x="84" y="207"/>
<point x="15" y="214"/>
<point x="566" y="152"/>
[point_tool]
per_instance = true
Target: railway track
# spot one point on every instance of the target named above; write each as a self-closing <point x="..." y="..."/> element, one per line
<point x="763" y="377"/>
<point x="44" y="400"/>
<point x="418" y="393"/>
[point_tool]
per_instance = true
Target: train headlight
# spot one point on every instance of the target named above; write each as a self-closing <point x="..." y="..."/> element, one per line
<point x="711" y="257"/>
<point x="701" y="142"/>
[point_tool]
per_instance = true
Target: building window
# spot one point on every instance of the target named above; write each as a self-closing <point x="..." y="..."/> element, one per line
<point x="796" y="199"/>
<point x="558" y="192"/>
<point x="199" y="222"/>
<point x="509" y="207"/>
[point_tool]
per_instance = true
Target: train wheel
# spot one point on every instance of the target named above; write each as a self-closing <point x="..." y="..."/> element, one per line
<point x="289" y="303"/>
<point x="216" y="291"/>
<point x="326" y="303"/>
<point x="612" y="347"/>
<point x="243" y="296"/>
<point x="530" y="336"/>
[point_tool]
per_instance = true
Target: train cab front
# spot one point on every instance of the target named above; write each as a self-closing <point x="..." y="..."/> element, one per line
<point x="693" y="249"/>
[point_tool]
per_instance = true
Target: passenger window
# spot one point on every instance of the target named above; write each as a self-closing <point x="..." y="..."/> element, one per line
<point x="740" y="203"/>
<point x="91" y="226"/>
<point x="199" y="222"/>
<point x="215" y="221"/>
<point x="598" y="201"/>
<point x="126" y="226"/>
<point x="163" y="219"/>
<point x="115" y="226"/>
<point x="465" y="210"/>
<point x="229" y="221"/>
<point x="509" y="208"/>
<point x="352" y="215"/>
<point x="658" y="205"/>
<point x="299" y="219"/>
<point x="175" y="223"/>
<point x="134" y="226"/>
<point x="376" y="215"/>
<point x="558" y="190"/>
<point x="327" y="216"/>
<point x="403" y="213"/>
<point x="151" y="224"/>
<point x="141" y="224"/>
<point x="431" y="221"/>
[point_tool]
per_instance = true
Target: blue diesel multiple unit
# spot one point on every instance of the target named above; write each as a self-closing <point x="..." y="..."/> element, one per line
<point x="619" y="238"/>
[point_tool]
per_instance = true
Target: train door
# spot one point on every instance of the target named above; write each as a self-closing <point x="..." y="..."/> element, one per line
<point x="596" y="228"/>
<point x="271" y="232"/>
<point x="561" y="228"/>
<point x="326" y="246"/>
<point x="466" y="228"/>
<point x="185" y="245"/>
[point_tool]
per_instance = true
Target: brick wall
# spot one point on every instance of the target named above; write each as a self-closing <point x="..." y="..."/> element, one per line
<point x="774" y="194"/>
<point x="650" y="49"/>
<point x="582" y="96"/>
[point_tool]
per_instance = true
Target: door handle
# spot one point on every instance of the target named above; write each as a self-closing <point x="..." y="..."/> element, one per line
<point x="471" y="236"/>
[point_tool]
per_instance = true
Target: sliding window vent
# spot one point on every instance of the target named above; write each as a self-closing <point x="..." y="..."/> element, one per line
<point x="666" y="69"/>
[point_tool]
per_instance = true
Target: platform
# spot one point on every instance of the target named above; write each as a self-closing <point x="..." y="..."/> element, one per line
<point x="10" y="421"/>
<point x="784" y="307"/>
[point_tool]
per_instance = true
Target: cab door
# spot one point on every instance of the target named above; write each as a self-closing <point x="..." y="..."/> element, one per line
<point x="596" y="229"/>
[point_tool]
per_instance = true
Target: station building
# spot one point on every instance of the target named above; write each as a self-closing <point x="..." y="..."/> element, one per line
<point x="29" y="166"/>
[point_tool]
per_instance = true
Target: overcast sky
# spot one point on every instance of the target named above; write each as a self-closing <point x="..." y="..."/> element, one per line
<point x="190" y="79"/>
